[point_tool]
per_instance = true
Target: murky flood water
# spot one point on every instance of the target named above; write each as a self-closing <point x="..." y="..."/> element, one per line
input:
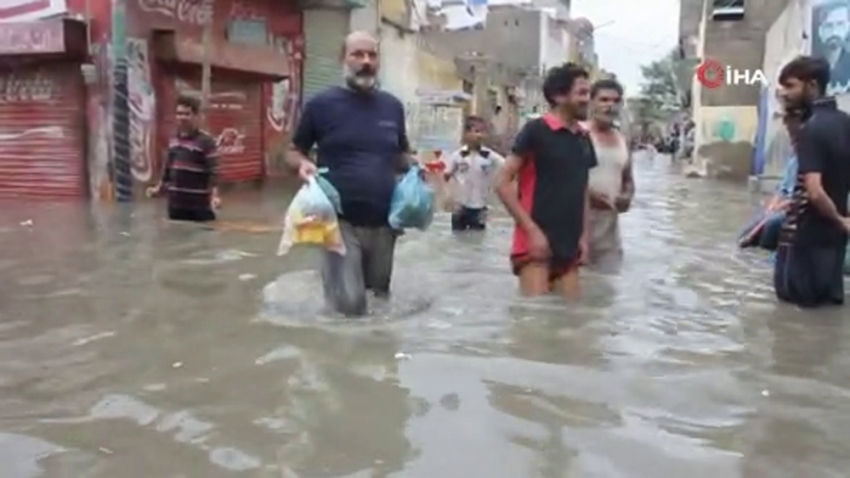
<point x="131" y="347"/>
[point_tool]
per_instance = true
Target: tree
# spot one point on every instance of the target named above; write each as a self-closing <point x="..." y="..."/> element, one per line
<point x="660" y="89"/>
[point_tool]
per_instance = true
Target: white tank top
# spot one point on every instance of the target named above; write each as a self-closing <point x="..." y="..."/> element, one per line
<point x="607" y="177"/>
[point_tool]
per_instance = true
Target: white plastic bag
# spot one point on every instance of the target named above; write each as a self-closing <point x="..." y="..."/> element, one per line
<point x="311" y="220"/>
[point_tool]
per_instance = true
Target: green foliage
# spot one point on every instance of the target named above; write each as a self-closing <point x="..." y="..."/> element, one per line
<point x="660" y="85"/>
<point x="664" y="82"/>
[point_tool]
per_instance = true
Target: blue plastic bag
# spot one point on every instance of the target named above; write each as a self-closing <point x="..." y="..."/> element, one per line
<point x="413" y="202"/>
<point x="329" y="190"/>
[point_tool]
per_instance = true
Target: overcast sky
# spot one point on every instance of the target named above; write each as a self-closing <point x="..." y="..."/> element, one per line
<point x="637" y="32"/>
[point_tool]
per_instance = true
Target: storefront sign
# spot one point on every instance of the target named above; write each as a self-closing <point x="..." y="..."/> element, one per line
<point x="247" y="32"/>
<point x="32" y="37"/>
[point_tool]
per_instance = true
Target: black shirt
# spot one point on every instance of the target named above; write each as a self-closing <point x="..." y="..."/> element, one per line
<point x="553" y="182"/>
<point x="360" y="137"/>
<point x="823" y="147"/>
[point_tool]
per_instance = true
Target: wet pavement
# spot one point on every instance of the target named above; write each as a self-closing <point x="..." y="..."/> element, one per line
<point x="132" y="347"/>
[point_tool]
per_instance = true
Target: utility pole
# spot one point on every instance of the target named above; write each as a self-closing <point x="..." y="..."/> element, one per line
<point x="206" y="73"/>
<point x="122" y="170"/>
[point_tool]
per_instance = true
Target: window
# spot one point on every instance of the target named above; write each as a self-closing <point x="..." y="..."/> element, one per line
<point x="727" y="9"/>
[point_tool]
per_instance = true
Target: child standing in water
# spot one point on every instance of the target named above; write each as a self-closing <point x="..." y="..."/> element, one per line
<point x="473" y="167"/>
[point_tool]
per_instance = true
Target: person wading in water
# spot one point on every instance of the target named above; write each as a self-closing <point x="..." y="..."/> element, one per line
<point x="612" y="185"/>
<point x="360" y="135"/>
<point x="190" y="172"/>
<point x="549" y="163"/>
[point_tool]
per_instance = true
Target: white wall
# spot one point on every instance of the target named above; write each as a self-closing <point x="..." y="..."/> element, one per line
<point x="366" y="18"/>
<point x="554" y="44"/>
<point x="787" y="38"/>
<point x="399" y="72"/>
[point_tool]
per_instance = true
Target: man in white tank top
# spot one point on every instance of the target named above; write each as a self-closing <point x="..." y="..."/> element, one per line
<point x="611" y="182"/>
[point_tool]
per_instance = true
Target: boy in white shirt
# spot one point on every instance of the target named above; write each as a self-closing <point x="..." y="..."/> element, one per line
<point x="473" y="167"/>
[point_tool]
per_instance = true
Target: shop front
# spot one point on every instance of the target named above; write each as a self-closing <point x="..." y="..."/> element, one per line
<point x="324" y="32"/>
<point x="235" y="113"/>
<point x="42" y="109"/>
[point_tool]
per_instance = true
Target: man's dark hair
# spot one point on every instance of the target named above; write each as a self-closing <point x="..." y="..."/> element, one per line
<point x="190" y="102"/>
<point x="560" y="79"/>
<point x="806" y="69"/>
<point x="472" y="121"/>
<point x="608" y="84"/>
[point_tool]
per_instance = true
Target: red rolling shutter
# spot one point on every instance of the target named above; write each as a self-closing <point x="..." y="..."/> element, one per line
<point x="42" y="129"/>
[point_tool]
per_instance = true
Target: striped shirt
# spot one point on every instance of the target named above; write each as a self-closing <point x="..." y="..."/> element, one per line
<point x="799" y="206"/>
<point x="191" y="171"/>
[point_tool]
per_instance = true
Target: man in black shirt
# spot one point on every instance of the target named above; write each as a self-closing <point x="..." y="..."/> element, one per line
<point x="813" y="240"/>
<point x="550" y="163"/>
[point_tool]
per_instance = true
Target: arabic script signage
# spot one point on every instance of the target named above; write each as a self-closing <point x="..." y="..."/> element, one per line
<point x="32" y="37"/>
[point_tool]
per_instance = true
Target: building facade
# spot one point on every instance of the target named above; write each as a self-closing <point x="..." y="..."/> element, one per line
<point x="90" y="87"/>
<point x="507" y="59"/>
<point x="732" y="33"/>
<point x="43" y="99"/>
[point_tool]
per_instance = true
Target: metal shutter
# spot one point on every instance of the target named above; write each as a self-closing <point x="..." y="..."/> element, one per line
<point x="324" y="32"/>
<point x="42" y="129"/>
<point x="234" y="119"/>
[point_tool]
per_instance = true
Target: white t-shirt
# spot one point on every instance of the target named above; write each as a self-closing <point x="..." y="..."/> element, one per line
<point x="474" y="172"/>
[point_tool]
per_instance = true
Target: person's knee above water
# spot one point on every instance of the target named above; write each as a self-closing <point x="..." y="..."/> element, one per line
<point x="190" y="169"/>
<point x="551" y="160"/>
<point x="812" y="245"/>
<point x="473" y="167"/>
<point x="360" y="135"/>
<point x="612" y="186"/>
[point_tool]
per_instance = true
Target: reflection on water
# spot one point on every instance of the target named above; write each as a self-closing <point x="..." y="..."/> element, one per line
<point x="133" y="347"/>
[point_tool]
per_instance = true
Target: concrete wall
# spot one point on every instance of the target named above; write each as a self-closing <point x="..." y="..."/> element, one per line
<point x="739" y="44"/>
<point x="511" y="37"/>
<point x="786" y="38"/>
<point x="554" y="49"/>
<point x="690" y="15"/>
<point x="726" y="132"/>
<point x="399" y="74"/>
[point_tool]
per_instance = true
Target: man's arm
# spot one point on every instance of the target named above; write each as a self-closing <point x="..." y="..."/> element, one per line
<point x="305" y="137"/>
<point x="165" y="175"/>
<point x="507" y="175"/>
<point x="588" y="199"/>
<point x="627" y="189"/>
<point x="211" y="152"/>
<point x="451" y="163"/>
<point x="811" y="157"/>
<point x="405" y="158"/>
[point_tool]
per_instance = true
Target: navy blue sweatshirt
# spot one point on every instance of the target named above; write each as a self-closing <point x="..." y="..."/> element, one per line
<point x="360" y="137"/>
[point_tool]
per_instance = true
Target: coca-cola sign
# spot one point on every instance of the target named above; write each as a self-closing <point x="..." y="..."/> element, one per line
<point x="195" y="12"/>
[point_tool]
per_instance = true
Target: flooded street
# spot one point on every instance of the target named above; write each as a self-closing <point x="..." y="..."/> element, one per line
<point x="131" y="347"/>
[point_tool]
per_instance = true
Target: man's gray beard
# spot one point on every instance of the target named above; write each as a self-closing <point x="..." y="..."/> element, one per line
<point x="358" y="82"/>
<point x="364" y="83"/>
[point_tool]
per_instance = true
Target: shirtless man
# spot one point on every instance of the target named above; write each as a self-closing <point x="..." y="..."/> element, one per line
<point x="612" y="185"/>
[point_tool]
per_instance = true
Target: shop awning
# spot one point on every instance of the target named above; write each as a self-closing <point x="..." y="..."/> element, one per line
<point x="169" y="46"/>
<point x="55" y="37"/>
